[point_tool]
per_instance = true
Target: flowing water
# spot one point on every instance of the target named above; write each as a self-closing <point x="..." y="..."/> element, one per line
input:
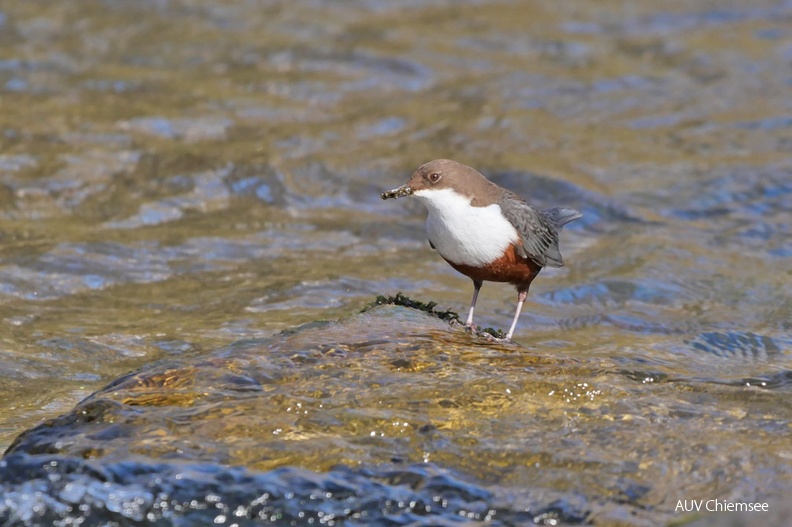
<point x="179" y="176"/>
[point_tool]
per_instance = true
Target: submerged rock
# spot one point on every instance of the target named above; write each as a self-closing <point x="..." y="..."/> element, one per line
<point x="350" y="399"/>
<point x="391" y="416"/>
<point x="54" y="489"/>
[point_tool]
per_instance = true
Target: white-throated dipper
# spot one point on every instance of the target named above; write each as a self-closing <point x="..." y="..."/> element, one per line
<point x="485" y="231"/>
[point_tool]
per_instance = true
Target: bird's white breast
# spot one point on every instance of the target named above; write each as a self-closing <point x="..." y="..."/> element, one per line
<point x="464" y="234"/>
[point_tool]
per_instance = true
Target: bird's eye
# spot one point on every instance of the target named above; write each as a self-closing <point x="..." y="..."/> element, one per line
<point x="434" y="177"/>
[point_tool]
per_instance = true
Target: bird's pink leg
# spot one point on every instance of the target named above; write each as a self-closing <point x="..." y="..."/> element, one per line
<point x="521" y="296"/>
<point x="469" y="322"/>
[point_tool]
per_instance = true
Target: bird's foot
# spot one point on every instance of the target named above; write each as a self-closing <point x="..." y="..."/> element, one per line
<point x="471" y="327"/>
<point x="489" y="337"/>
<point x="493" y="335"/>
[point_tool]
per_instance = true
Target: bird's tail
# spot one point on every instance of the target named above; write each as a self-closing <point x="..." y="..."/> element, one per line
<point x="561" y="216"/>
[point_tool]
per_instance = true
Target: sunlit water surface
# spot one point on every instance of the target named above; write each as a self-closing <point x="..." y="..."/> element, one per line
<point x="179" y="176"/>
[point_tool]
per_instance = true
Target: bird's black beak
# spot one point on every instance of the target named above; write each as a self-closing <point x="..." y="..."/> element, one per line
<point x="400" y="192"/>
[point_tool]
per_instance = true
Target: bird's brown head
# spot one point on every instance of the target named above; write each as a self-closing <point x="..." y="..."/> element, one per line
<point x="443" y="174"/>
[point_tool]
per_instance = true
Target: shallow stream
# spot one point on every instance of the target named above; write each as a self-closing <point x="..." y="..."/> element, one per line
<point x="180" y="176"/>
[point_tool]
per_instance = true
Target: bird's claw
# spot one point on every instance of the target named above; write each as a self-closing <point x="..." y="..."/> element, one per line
<point x="474" y="330"/>
<point x="492" y="338"/>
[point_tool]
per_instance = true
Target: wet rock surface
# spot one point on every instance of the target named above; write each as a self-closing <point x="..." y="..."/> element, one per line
<point x="382" y="417"/>
<point x="53" y="489"/>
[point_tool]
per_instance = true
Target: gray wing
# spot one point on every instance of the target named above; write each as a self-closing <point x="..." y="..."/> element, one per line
<point x="538" y="229"/>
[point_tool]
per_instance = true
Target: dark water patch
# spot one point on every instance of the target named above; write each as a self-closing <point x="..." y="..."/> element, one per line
<point x="205" y="192"/>
<point x="38" y="75"/>
<point x="739" y="190"/>
<point x="707" y="372"/>
<point x="646" y="324"/>
<point x="386" y="126"/>
<point x="772" y="237"/>
<point x="560" y="51"/>
<point x="62" y="351"/>
<point x="774" y="33"/>
<point x="109" y="139"/>
<point x="644" y="377"/>
<point x="685" y="118"/>
<point x="187" y="129"/>
<point x="79" y="178"/>
<point x="16" y="163"/>
<point x="113" y="85"/>
<point x="386" y="6"/>
<point x="780" y="381"/>
<point x="314" y="185"/>
<point x="71" y="268"/>
<point x="327" y="294"/>
<point x="630" y="323"/>
<point x="368" y="71"/>
<point x="583" y="321"/>
<point x="303" y="93"/>
<point x="624" y="83"/>
<point x="566" y="97"/>
<point x="744" y="210"/>
<point x="771" y="123"/>
<point x="617" y="292"/>
<point x="772" y="381"/>
<point x="744" y="345"/>
<point x="80" y="358"/>
<point x="670" y="22"/>
<point x="52" y="490"/>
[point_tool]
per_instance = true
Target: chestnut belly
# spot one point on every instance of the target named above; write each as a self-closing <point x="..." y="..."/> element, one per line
<point x="511" y="268"/>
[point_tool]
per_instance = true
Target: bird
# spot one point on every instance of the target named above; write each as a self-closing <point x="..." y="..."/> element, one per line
<point x="485" y="231"/>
